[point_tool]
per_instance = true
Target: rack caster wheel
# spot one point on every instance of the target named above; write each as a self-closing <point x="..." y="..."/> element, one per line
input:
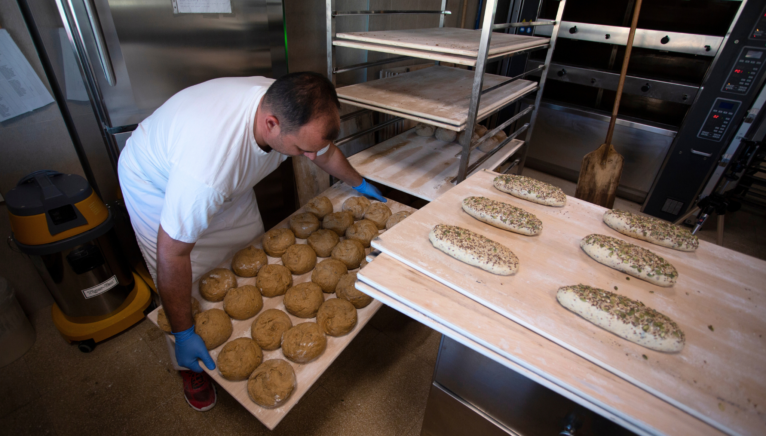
<point x="86" y="346"/>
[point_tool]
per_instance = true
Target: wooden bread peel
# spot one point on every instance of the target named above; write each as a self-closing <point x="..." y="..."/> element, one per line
<point x="601" y="169"/>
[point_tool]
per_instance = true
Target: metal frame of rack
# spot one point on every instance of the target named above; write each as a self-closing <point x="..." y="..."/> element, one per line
<point x="482" y="60"/>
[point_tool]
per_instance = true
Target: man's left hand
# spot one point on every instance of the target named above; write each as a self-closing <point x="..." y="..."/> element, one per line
<point x="370" y="191"/>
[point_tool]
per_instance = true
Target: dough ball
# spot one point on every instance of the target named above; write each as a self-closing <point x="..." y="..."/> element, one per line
<point x="299" y="259"/>
<point x="362" y="231"/>
<point x="162" y="319"/>
<point x="319" y="206"/>
<point x="323" y="241"/>
<point x="424" y="130"/>
<point x="336" y="317"/>
<point x="214" y="327"/>
<point x="475" y="137"/>
<point x="445" y="135"/>
<point x="378" y="213"/>
<point x="347" y="291"/>
<point x="364" y="263"/>
<point x="303" y="300"/>
<point x="397" y="218"/>
<point x="304" y="342"/>
<point x="327" y="273"/>
<point x="239" y="358"/>
<point x="268" y="328"/>
<point x="493" y="142"/>
<point x="276" y="241"/>
<point x="338" y="222"/>
<point x="350" y="252"/>
<point x="214" y="285"/>
<point x="248" y="261"/>
<point x="271" y="384"/>
<point x="273" y="280"/>
<point x="243" y="302"/>
<point x="478" y="132"/>
<point x="357" y="206"/>
<point x="304" y="224"/>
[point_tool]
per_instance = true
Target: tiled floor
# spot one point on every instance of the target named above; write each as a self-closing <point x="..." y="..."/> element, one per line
<point x="378" y="385"/>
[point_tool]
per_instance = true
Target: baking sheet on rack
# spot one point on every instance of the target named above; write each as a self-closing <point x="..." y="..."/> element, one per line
<point x="438" y="93"/>
<point x="719" y="302"/>
<point x="306" y="374"/>
<point x="421" y="166"/>
<point x="450" y="40"/>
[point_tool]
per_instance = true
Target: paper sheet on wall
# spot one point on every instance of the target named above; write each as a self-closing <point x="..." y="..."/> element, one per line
<point x="21" y="90"/>
<point x="201" y="6"/>
<point x="75" y="88"/>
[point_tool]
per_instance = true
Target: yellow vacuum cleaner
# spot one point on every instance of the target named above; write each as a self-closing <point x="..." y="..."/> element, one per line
<point x="67" y="231"/>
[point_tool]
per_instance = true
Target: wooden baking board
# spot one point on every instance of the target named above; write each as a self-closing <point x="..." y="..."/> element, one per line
<point x="718" y="377"/>
<point x="421" y="54"/>
<point x="439" y="93"/>
<point x="450" y="40"/>
<point x="306" y="374"/>
<point x="481" y="329"/>
<point x="420" y="166"/>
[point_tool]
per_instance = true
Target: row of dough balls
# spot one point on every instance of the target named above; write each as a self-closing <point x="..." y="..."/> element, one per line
<point x="303" y="300"/>
<point x="445" y="135"/>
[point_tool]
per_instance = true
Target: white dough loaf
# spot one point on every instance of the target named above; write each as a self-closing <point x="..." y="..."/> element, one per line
<point x="445" y="135"/>
<point x="530" y="189"/>
<point x="628" y="319"/>
<point x="502" y="215"/>
<point x="474" y="249"/>
<point x="423" y="129"/>
<point x="630" y="259"/>
<point x="652" y="230"/>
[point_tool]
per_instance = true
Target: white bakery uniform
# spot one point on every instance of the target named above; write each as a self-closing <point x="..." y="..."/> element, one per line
<point x="191" y="167"/>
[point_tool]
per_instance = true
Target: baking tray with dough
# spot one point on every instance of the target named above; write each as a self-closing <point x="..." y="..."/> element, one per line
<point x="718" y="302"/>
<point x="529" y="354"/>
<point x="306" y="374"/>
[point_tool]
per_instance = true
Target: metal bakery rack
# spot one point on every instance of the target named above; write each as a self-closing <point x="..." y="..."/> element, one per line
<point x="453" y="98"/>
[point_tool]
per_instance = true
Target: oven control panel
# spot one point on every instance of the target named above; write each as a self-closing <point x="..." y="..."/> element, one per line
<point x="718" y="119"/>
<point x="759" y="31"/>
<point x="745" y="70"/>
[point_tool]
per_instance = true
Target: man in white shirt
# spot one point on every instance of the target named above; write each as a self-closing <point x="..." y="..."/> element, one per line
<point x="187" y="175"/>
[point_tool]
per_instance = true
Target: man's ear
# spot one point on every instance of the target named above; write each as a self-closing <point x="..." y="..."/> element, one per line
<point x="272" y="125"/>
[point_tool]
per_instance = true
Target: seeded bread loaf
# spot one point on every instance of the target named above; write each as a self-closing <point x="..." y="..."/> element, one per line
<point x="474" y="249"/>
<point x="530" y="189"/>
<point x="651" y="230"/>
<point x="630" y="259"/>
<point x="502" y="215"/>
<point x="628" y="319"/>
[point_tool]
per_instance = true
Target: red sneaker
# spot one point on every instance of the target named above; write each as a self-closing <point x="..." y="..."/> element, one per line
<point x="199" y="390"/>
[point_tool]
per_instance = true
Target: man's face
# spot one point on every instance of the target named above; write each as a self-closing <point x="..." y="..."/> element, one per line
<point x="307" y="140"/>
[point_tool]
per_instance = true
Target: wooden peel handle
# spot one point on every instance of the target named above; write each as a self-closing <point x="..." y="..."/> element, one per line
<point x="623" y="73"/>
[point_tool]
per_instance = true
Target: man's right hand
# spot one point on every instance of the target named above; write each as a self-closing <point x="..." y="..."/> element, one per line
<point x="189" y="348"/>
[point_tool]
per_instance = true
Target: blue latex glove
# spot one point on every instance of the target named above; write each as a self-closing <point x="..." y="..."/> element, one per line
<point x="189" y="348"/>
<point x="370" y="191"/>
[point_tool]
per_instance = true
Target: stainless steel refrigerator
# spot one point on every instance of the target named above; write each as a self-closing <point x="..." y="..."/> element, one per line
<point x="111" y="63"/>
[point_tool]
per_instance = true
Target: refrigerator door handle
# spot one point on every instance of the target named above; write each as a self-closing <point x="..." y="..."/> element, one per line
<point x="103" y="54"/>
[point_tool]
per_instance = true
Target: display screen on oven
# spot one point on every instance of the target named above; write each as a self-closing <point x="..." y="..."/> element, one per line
<point x="745" y="71"/>
<point x="718" y="119"/>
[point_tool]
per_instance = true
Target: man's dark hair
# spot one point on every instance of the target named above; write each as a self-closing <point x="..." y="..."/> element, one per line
<point x="297" y="98"/>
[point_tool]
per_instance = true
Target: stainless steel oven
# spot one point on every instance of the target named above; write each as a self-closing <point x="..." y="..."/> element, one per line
<point x="683" y="56"/>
